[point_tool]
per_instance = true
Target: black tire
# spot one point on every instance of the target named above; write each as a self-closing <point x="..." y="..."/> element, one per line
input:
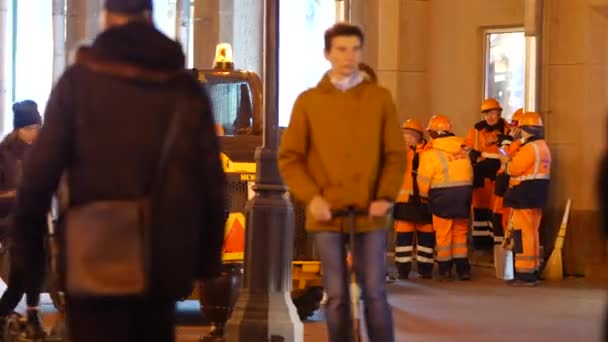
<point x="307" y="301"/>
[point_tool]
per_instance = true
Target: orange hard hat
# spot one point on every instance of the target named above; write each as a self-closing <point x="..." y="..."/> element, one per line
<point x="530" y="119"/>
<point x="517" y="116"/>
<point x="440" y="123"/>
<point x="412" y="124"/>
<point x="490" y="104"/>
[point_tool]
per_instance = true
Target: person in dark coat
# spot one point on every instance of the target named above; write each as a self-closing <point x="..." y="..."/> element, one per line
<point x="13" y="150"/>
<point x="105" y="123"/>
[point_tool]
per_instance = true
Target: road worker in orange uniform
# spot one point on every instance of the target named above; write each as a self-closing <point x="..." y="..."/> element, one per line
<point x="445" y="177"/>
<point x="411" y="214"/>
<point x="483" y="140"/>
<point x="528" y="191"/>
<point x="509" y="144"/>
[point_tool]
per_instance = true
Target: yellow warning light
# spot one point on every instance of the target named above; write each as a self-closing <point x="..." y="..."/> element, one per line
<point x="223" y="57"/>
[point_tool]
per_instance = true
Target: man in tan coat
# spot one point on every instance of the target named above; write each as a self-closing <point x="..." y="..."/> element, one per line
<point x="344" y="148"/>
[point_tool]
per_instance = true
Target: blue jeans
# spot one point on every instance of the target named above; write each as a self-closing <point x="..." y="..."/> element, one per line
<point x="370" y="269"/>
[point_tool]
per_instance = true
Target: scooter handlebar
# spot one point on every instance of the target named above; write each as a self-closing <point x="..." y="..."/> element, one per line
<point x="348" y="212"/>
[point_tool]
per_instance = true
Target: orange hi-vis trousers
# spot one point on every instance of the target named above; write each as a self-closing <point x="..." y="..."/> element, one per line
<point x="482" y="207"/>
<point x="451" y="238"/>
<point x="526" y="243"/>
<point x="500" y="221"/>
<point x="404" y="247"/>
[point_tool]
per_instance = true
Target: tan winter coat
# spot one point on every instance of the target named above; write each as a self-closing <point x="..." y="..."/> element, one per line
<point x="345" y="146"/>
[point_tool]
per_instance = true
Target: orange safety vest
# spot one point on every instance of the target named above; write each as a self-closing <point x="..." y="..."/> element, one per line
<point x="530" y="171"/>
<point x="502" y="180"/>
<point x="485" y="141"/>
<point x="407" y="187"/>
<point x="445" y="176"/>
<point x="410" y="206"/>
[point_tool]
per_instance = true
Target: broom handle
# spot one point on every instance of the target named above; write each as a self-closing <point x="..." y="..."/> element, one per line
<point x="559" y="241"/>
<point x="506" y="242"/>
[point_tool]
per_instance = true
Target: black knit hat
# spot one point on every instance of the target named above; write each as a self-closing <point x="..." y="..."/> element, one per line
<point x="25" y="113"/>
<point x="128" y="6"/>
<point x="537" y="131"/>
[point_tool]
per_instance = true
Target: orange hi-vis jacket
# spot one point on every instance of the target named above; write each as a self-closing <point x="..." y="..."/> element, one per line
<point x="445" y="176"/>
<point x="485" y="140"/>
<point x="407" y="187"/>
<point x="409" y="205"/>
<point x="530" y="171"/>
<point x="502" y="179"/>
<point x="513" y="147"/>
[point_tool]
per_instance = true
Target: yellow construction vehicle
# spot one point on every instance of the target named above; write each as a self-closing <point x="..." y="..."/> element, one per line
<point x="236" y="97"/>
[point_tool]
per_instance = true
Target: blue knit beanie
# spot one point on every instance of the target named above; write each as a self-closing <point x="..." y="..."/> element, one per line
<point x="25" y="113"/>
<point x="128" y="6"/>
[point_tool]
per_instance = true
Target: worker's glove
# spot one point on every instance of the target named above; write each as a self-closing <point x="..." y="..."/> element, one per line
<point x="380" y="208"/>
<point x="504" y="140"/>
<point x="474" y="155"/>
<point x="319" y="209"/>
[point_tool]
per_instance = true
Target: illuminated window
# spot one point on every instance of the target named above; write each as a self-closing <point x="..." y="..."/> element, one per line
<point x="165" y="16"/>
<point x="6" y="51"/>
<point x="302" y="63"/>
<point x="505" y="72"/>
<point x="33" y="52"/>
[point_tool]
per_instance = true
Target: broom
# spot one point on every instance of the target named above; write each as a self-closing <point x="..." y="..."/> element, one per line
<point x="554" y="270"/>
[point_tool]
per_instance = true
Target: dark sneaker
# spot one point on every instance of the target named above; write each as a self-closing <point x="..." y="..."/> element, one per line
<point x="464" y="276"/>
<point x="523" y="283"/>
<point x="404" y="270"/>
<point x="443" y="277"/>
<point x="3" y="323"/>
<point x="33" y="327"/>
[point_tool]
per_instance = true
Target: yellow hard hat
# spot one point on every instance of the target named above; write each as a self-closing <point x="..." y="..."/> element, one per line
<point x="490" y="104"/>
<point x="530" y="119"/>
<point x="412" y="124"/>
<point x="440" y="123"/>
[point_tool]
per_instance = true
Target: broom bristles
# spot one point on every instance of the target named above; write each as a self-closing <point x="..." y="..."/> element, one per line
<point x="554" y="268"/>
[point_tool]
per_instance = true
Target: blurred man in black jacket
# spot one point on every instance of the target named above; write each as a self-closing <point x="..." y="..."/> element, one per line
<point x="105" y="123"/>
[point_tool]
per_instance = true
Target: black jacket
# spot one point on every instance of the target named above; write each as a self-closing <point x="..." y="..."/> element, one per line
<point x="12" y="154"/>
<point x="104" y="124"/>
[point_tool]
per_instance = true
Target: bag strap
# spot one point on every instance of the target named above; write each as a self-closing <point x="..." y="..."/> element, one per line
<point x="415" y="165"/>
<point x="168" y="141"/>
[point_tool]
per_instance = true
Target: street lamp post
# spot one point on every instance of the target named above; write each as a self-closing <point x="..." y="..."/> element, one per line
<point x="264" y="310"/>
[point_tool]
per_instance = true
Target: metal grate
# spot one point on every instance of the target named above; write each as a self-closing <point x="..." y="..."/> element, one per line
<point x="237" y="199"/>
<point x="236" y="196"/>
<point x="303" y="246"/>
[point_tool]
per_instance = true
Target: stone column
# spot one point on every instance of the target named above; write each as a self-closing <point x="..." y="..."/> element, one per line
<point x="59" y="26"/>
<point x="206" y="32"/>
<point x="82" y="23"/>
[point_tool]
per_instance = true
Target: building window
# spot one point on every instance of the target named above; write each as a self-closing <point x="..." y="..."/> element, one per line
<point x="6" y="65"/>
<point x="302" y="63"/>
<point x="33" y="52"/>
<point x="165" y="16"/>
<point x="505" y="68"/>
